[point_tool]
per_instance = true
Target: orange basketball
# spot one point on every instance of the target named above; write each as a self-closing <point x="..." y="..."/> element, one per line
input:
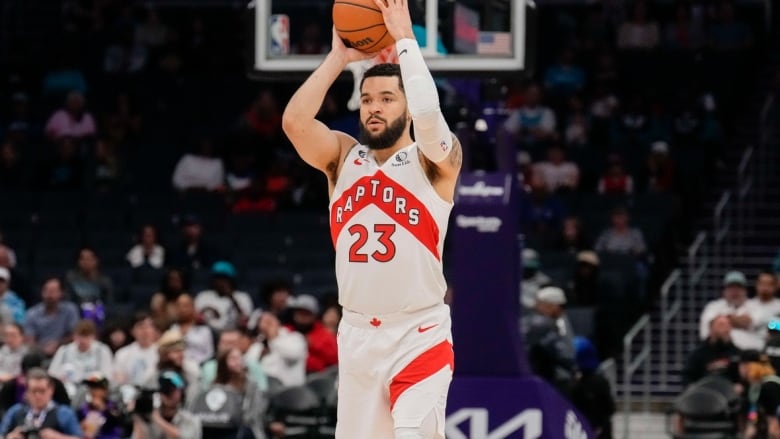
<point x="360" y="25"/>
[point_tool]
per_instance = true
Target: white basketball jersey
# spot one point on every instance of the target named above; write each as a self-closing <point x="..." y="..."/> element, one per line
<point x="388" y="225"/>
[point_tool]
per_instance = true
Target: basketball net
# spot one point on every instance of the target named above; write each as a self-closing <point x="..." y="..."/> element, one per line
<point x="358" y="68"/>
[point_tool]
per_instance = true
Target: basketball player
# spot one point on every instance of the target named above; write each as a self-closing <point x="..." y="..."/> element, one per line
<point x="390" y="199"/>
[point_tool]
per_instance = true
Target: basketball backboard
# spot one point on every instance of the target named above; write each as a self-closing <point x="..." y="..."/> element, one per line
<point x="473" y="35"/>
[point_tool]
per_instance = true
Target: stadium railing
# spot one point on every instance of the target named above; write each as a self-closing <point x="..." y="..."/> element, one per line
<point x="671" y="314"/>
<point x="631" y="366"/>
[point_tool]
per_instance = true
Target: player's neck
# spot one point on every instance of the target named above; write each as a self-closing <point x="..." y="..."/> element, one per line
<point x="382" y="155"/>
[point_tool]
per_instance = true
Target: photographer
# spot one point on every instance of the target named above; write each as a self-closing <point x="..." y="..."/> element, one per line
<point x="99" y="415"/>
<point x="40" y="417"/>
<point x="169" y="421"/>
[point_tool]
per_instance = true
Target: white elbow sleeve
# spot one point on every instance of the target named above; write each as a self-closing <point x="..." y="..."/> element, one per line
<point x="430" y="129"/>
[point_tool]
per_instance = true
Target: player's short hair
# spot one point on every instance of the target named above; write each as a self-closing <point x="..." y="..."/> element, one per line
<point x="384" y="69"/>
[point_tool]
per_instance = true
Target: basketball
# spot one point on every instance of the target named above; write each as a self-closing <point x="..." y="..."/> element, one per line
<point x="360" y="25"/>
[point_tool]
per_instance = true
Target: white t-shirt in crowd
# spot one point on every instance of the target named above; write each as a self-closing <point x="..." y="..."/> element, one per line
<point x="195" y="171"/>
<point x="219" y="311"/>
<point x="135" y="365"/>
<point x="742" y="338"/>
<point x="71" y="365"/>
<point x="565" y="174"/>
<point x="768" y="311"/>
<point x="136" y="256"/>
<point x="198" y="343"/>
<point x="285" y="359"/>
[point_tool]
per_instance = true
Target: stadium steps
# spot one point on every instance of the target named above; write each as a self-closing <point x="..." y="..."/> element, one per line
<point x="751" y="251"/>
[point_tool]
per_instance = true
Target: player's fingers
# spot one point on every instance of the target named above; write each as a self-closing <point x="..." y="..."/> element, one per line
<point x="381" y="4"/>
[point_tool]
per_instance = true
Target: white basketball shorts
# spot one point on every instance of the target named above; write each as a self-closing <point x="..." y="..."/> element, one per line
<point x="394" y="372"/>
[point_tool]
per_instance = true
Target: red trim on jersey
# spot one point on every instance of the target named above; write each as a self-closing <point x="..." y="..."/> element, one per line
<point x="425" y="230"/>
<point x="425" y="365"/>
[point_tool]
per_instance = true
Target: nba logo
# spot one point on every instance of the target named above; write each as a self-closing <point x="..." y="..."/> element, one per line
<point x="280" y="34"/>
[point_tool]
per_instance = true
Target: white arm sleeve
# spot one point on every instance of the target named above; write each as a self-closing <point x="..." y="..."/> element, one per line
<point x="430" y="129"/>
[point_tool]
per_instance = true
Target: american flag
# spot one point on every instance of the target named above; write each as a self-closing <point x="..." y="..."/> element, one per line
<point x="495" y="43"/>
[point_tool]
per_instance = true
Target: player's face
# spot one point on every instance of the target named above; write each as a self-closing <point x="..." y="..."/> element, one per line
<point x="383" y="113"/>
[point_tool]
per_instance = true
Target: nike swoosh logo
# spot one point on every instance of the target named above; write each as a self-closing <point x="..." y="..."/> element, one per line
<point x="402" y="52"/>
<point x="358" y="161"/>
<point x="422" y="329"/>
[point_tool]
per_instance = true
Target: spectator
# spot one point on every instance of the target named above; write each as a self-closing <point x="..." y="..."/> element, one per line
<point x="171" y="352"/>
<point x="763" y="395"/>
<point x="282" y="352"/>
<point x="201" y="170"/>
<point x="592" y="394"/>
<point x="164" y="305"/>
<point x="170" y="420"/>
<point x="124" y="122"/>
<point x="741" y="312"/>
<point x="660" y="168"/>
<point x="224" y="306"/>
<point x="616" y="181"/>
<point x="230" y="339"/>
<point x="124" y="55"/>
<point x="115" y="335"/>
<point x="13" y="173"/>
<point x="715" y="355"/>
<point x="263" y="120"/>
<point x="727" y="33"/>
<point x="564" y="78"/>
<point x="576" y="133"/>
<point x="276" y="296"/>
<point x="148" y="252"/>
<point x="550" y="340"/>
<point x="572" y="237"/>
<point x="86" y="284"/>
<point x="99" y="416"/>
<point x="65" y="171"/>
<point x="72" y="120"/>
<point x="12" y="351"/>
<point x="152" y="32"/>
<point x="245" y="404"/>
<point x="105" y="170"/>
<point x="533" y="123"/>
<point x="640" y="31"/>
<point x="556" y="173"/>
<point x="323" y="352"/>
<point x="766" y="300"/>
<point x="74" y="361"/>
<point x="41" y="411"/>
<point x="50" y="323"/>
<point x="541" y="212"/>
<point x="21" y="126"/>
<point x="12" y="308"/>
<point x="194" y="251"/>
<point x="13" y="392"/>
<point x="198" y="338"/>
<point x="19" y="283"/>
<point x="683" y="33"/>
<point x="585" y="286"/>
<point x="136" y="363"/>
<point x="332" y="317"/>
<point x="533" y="278"/>
<point x="620" y="238"/>
<point x="525" y="168"/>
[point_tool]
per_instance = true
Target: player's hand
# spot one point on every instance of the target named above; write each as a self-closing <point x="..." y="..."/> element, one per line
<point x="397" y="18"/>
<point x="348" y="54"/>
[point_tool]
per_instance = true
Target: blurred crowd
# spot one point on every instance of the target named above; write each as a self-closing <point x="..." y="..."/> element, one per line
<point x="615" y="138"/>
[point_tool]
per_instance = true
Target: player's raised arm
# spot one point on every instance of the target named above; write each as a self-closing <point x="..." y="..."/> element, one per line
<point x="317" y="144"/>
<point x="432" y="133"/>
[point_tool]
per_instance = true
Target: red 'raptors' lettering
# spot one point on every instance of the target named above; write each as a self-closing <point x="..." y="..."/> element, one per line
<point x="385" y="234"/>
<point x="395" y="201"/>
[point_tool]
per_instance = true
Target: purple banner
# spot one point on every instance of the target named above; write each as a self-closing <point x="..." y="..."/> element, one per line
<point x="484" y="277"/>
<point x="509" y="408"/>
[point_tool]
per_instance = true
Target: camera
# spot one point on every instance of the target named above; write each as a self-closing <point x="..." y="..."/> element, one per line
<point x="30" y="432"/>
<point x="144" y="403"/>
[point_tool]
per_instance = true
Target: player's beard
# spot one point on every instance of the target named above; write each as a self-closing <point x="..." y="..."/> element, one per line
<point x="385" y="139"/>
